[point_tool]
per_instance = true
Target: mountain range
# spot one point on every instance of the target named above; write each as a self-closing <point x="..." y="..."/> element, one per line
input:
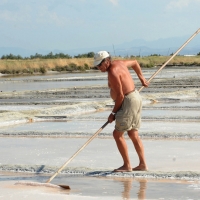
<point x="137" y="47"/>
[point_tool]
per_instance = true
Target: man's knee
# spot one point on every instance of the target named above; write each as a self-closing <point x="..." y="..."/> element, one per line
<point x="117" y="134"/>
<point x="133" y="134"/>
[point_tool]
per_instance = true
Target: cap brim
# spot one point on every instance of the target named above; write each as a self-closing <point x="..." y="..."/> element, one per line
<point x="97" y="62"/>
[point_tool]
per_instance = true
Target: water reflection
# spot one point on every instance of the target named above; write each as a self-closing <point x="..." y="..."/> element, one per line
<point x="128" y="187"/>
<point x="142" y="189"/>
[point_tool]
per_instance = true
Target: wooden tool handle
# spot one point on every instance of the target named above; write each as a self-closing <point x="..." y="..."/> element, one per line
<point x="171" y="57"/>
<point x="73" y="156"/>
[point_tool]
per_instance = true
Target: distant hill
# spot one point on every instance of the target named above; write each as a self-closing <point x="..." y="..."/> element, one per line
<point x="162" y="46"/>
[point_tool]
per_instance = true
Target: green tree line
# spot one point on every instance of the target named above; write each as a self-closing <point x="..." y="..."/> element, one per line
<point x="55" y="56"/>
<point x="48" y="56"/>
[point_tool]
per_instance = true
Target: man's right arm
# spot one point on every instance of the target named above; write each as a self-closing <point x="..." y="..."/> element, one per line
<point x="136" y="67"/>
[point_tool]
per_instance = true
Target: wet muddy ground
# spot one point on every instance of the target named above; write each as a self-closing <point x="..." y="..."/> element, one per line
<point x="45" y="119"/>
<point x="100" y="188"/>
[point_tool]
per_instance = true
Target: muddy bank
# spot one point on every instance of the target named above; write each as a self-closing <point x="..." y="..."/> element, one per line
<point x="65" y="101"/>
<point x="10" y="118"/>
<point x="175" y="175"/>
<point x="62" y="134"/>
<point x="178" y="86"/>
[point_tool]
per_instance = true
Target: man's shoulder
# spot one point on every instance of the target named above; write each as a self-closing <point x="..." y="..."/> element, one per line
<point x="117" y="61"/>
<point x="122" y="62"/>
<point x="116" y="67"/>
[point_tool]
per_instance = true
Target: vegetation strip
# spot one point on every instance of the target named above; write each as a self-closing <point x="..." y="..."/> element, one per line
<point x="11" y="64"/>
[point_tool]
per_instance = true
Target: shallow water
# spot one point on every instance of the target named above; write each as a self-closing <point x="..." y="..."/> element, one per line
<point x="27" y="86"/>
<point x="51" y="76"/>
<point x="166" y="72"/>
<point x="177" y="104"/>
<point x="20" y="108"/>
<point x="92" y="125"/>
<point x="47" y="100"/>
<point x="7" y="84"/>
<point x="158" y="113"/>
<point x="98" y="188"/>
<point x="162" y="113"/>
<point x="169" y="113"/>
<point x="161" y="155"/>
<point x="51" y="143"/>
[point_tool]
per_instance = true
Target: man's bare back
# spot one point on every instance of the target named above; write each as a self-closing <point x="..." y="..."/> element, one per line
<point x="120" y="81"/>
<point x="126" y="82"/>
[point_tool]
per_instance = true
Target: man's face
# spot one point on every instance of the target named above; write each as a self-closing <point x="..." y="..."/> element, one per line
<point x="102" y="66"/>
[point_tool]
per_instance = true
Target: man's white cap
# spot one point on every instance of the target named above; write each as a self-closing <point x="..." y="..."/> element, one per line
<point x="99" y="56"/>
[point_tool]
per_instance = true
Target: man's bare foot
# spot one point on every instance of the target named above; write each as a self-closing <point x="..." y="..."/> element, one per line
<point x="140" y="168"/>
<point x="123" y="169"/>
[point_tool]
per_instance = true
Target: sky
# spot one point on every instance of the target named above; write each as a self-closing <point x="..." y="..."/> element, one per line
<point x="76" y="24"/>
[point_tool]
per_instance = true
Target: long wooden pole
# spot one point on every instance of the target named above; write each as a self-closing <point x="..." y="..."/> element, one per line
<point x="171" y="57"/>
<point x="73" y="156"/>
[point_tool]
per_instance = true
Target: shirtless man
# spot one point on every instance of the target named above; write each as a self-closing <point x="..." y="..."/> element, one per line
<point x="127" y="108"/>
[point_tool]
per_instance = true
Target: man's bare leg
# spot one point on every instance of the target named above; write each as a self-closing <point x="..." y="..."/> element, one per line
<point x="122" y="147"/>
<point x="133" y="134"/>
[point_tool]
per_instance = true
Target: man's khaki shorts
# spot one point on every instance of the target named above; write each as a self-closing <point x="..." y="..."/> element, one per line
<point x="129" y="115"/>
